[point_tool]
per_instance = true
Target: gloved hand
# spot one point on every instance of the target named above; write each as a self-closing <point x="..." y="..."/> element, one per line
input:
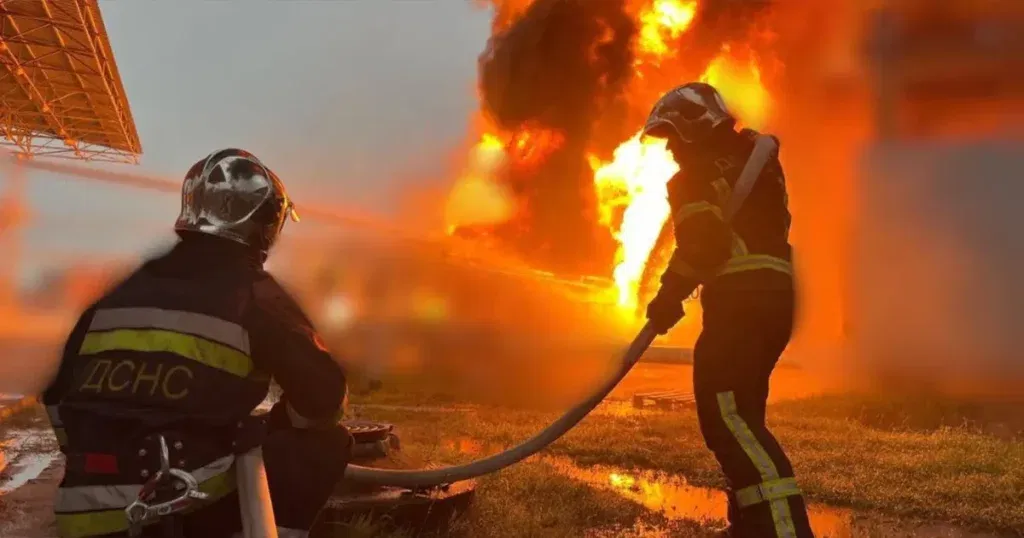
<point x="666" y="309"/>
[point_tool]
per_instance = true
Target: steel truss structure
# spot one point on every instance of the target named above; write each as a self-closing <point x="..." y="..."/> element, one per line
<point x="60" y="92"/>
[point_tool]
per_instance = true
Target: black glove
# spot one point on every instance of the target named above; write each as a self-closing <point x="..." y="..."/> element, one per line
<point x="666" y="309"/>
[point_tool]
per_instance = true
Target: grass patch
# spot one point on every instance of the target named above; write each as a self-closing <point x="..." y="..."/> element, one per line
<point x="915" y="467"/>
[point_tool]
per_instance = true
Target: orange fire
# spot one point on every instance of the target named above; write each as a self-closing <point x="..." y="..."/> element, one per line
<point x="630" y="189"/>
<point x="633" y="184"/>
<point x="478" y="198"/>
<point x="664" y="19"/>
<point x="633" y="205"/>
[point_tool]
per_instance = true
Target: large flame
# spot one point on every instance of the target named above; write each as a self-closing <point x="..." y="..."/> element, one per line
<point x="662" y="22"/>
<point x="630" y="188"/>
<point x="633" y="204"/>
<point x="634" y="183"/>
<point x="477" y="199"/>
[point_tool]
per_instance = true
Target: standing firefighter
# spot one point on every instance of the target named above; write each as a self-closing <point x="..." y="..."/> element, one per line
<point x="184" y="350"/>
<point x="744" y="264"/>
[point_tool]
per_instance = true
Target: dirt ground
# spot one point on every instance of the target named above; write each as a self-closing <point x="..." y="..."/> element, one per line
<point x="30" y="470"/>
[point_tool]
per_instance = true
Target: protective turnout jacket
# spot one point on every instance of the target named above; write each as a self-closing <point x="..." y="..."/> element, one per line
<point x="751" y="252"/>
<point x="185" y="347"/>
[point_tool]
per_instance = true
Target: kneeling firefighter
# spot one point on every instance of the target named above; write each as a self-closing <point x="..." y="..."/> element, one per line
<point x="744" y="263"/>
<point x="180" y="353"/>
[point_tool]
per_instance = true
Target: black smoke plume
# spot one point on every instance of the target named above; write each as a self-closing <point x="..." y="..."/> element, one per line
<point x="557" y="67"/>
<point x="564" y="65"/>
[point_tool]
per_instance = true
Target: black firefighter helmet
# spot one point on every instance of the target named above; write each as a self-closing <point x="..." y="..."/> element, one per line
<point x="689" y="113"/>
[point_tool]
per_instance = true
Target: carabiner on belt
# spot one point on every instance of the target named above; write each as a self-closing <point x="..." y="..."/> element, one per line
<point x="139" y="512"/>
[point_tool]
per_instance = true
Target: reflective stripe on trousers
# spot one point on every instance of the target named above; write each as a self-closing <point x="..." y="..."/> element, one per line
<point x="772" y="486"/>
<point x="771" y="490"/>
<point x="97" y="510"/>
<point x="207" y="340"/>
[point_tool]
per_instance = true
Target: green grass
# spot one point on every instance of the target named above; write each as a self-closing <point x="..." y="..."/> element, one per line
<point x="888" y="458"/>
<point x="532" y="500"/>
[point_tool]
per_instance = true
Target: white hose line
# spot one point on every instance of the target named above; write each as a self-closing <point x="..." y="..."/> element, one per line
<point x="423" y="478"/>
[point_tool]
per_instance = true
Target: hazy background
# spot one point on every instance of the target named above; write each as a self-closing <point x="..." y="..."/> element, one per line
<point x="341" y="98"/>
<point x="907" y="253"/>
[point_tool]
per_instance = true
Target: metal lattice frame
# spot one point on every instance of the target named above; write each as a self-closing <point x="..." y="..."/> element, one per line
<point x="60" y="92"/>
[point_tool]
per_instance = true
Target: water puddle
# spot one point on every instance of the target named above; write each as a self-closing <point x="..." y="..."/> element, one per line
<point x="26" y="469"/>
<point x="674" y="498"/>
<point x="24" y="454"/>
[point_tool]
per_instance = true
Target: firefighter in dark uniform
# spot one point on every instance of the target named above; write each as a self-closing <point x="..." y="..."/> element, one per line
<point x="185" y="348"/>
<point x="746" y="271"/>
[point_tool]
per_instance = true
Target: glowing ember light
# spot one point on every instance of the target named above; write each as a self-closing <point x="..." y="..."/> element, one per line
<point x="339" y="312"/>
<point x="739" y="82"/>
<point x="532" y="144"/>
<point x="621" y="481"/>
<point x="633" y="185"/>
<point x="477" y="198"/>
<point x="664" y="19"/>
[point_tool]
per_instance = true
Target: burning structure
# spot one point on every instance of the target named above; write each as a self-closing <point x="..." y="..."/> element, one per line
<point x="559" y="175"/>
<point x="555" y="176"/>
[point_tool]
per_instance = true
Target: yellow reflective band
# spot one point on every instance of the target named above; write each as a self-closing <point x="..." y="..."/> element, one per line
<point x="783" y="518"/>
<point x="723" y="190"/>
<point x="690" y="210"/>
<point x="754" y="262"/>
<point x="767" y="491"/>
<point x="85" y="524"/>
<point x="739" y="246"/>
<point x="208" y="327"/>
<point x="191" y="347"/>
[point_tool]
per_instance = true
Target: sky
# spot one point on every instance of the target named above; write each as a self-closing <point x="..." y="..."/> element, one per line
<point x="341" y="98"/>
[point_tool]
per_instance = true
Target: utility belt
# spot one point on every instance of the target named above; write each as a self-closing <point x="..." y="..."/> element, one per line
<point x="99" y="485"/>
<point x="137" y="464"/>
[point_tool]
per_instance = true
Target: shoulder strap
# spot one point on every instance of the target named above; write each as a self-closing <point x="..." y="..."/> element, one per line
<point x="765" y="147"/>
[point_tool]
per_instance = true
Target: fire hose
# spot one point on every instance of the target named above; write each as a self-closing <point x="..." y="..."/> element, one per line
<point x="764" y="147"/>
<point x="447" y="475"/>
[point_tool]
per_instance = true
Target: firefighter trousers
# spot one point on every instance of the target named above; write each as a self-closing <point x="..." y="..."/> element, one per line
<point x="303" y="468"/>
<point x="744" y="334"/>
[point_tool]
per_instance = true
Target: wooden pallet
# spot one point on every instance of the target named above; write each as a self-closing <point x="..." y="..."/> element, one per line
<point x="665" y="399"/>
